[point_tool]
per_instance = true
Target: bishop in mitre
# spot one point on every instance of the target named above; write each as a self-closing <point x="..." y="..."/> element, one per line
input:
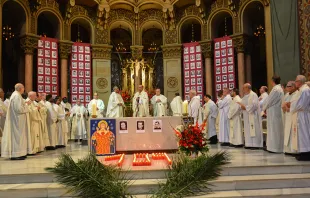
<point x="96" y="107"/>
<point x="159" y="103"/>
<point x="210" y="113"/>
<point x="62" y="126"/>
<point x="116" y="104"/>
<point x="14" y="140"/>
<point x="235" y="120"/>
<point x="34" y="134"/>
<point x="176" y="105"/>
<point x="78" y="115"/>
<point x="253" y="131"/>
<point x="140" y="103"/>
<point x="51" y="123"/>
<point x="194" y="107"/>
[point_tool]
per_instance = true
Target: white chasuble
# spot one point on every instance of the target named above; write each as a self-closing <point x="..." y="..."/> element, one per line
<point x="262" y="98"/>
<point x="159" y="108"/>
<point x="3" y="110"/>
<point x="78" y="114"/>
<point x="176" y="106"/>
<point x="62" y="127"/>
<point x="98" y="104"/>
<point x="35" y="129"/>
<point x="44" y="129"/>
<point x="300" y="109"/>
<point x="114" y="110"/>
<point x="224" y="122"/>
<point x="210" y="113"/>
<point x="140" y="104"/>
<point x="194" y="109"/>
<point x="14" y="140"/>
<point x="235" y="122"/>
<point x="253" y="131"/>
<point x="275" y="131"/>
<point x="51" y="124"/>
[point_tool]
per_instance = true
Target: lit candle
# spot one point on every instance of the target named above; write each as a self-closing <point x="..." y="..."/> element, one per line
<point x="94" y="109"/>
<point x="185" y="107"/>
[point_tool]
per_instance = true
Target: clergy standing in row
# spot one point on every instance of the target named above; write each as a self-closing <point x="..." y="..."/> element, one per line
<point x="116" y="104"/>
<point x="210" y="113"/>
<point x="252" y="120"/>
<point x="223" y="105"/>
<point x="176" y="105"/>
<point x="67" y="106"/>
<point x="62" y="126"/>
<point x="159" y="103"/>
<point x="263" y="95"/>
<point x="14" y="141"/>
<point x="235" y="121"/>
<point x="287" y="118"/>
<point x="300" y="109"/>
<point x="272" y="105"/>
<point x="194" y="109"/>
<point x="140" y="103"/>
<point x="78" y="115"/>
<point x="96" y="107"/>
<point x="43" y="113"/>
<point x="51" y="123"/>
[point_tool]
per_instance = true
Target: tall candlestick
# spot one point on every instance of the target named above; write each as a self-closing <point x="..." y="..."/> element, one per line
<point x="185" y="108"/>
<point x="94" y="110"/>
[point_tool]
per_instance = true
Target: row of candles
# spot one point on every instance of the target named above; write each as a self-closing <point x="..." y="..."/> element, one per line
<point x="161" y="156"/>
<point x="141" y="159"/>
<point x="119" y="157"/>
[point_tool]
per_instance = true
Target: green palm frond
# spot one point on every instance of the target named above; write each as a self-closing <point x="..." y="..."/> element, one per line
<point x="190" y="177"/>
<point x="88" y="178"/>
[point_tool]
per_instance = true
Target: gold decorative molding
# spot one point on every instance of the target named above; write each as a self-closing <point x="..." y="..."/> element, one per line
<point x="172" y="51"/>
<point x="102" y="83"/>
<point x="101" y="36"/>
<point x="136" y="52"/>
<point x="102" y="51"/>
<point x="29" y="42"/>
<point x="171" y="36"/>
<point x="240" y="42"/>
<point x="207" y="48"/>
<point x="172" y="82"/>
<point x="65" y="49"/>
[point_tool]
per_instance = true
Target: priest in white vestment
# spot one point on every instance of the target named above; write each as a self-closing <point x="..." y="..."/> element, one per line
<point x="287" y="117"/>
<point x="224" y="128"/>
<point x="14" y="140"/>
<point x="34" y="133"/>
<point x="51" y="123"/>
<point x="236" y="137"/>
<point x="194" y="107"/>
<point x="96" y="107"/>
<point x="263" y="95"/>
<point x="176" y="105"/>
<point x="44" y="128"/>
<point x="219" y="96"/>
<point x="210" y="113"/>
<point x="116" y="104"/>
<point x="272" y="105"/>
<point x="140" y="103"/>
<point x="300" y="109"/>
<point x="7" y="99"/>
<point x="78" y="115"/>
<point x="62" y="126"/>
<point x="68" y="108"/>
<point x="159" y="103"/>
<point x="253" y="132"/>
<point x="3" y="110"/>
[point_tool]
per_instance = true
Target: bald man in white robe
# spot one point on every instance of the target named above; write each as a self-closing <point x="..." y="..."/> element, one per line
<point x="194" y="107"/>
<point x="236" y="137"/>
<point x="176" y="105"/>
<point x="224" y="129"/>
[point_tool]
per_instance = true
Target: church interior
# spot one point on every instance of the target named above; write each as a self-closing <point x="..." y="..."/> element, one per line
<point x="77" y="50"/>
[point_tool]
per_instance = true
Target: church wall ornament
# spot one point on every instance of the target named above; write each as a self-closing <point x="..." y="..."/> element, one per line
<point x="29" y="43"/>
<point x="240" y="42"/>
<point x="65" y="49"/>
<point x="207" y="48"/>
<point x="172" y="82"/>
<point x="136" y="52"/>
<point x="102" y="51"/>
<point x="171" y="36"/>
<point x="102" y="83"/>
<point x="172" y="51"/>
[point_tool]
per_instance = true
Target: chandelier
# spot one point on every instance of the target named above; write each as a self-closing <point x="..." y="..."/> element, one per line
<point x="153" y="47"/>
<point x="120" y="47"/>
<point x="260" y="31"/>
<point x="7" y="32"/>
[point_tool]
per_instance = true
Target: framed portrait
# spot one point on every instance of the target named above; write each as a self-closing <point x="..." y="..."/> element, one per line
<point x="87" y="49"/>
<point x="224" y="69"/>
<point x="218" y="78"/>
<point x="40" y="79"/>
<point x="74" y="73"/>
<point x="87" y="82"/>
<point x="193" y="88"/>
<point x="198" y="72"/>
<point x="230" y="51"/>
<point x="81" y="49"/>
<point x="123" y="126"/>
<point x="185" y="50"/>
<point x="224" y="85"/>
<point x="40" y="70"/>
<point x="224" y="61"/>
<point x="81" y="89"/>
<point x="218" y="62"/>
<point x="199" y="88"/>
<point x="87" y="57"/>
<point x="74" y="81"/>
<point x="47" y="71"/>
<point x="199" y="81"/>
<point x="218" y="70"/>
<point x="223" y="44"/>
<point x="187" y="89"/>
<point x="54" y="80"/>
<point x="217" y="45"/>
<point x="47" y="62"/>
<point x="47" y="44"/>
<point x="54" y="89"/>
<point x="87" y="73"/>
<point x="198" y="56"/>
<point x="81" y="65"/>
<point x="74" y="56"/>
<point x="54" y="62"/>
<point x="186" y="81"/>
<point x="41" y="44"/>
<point x="54" y="45"/>
<point x="217" y="53"/>
<point x="231" y="77"/>
<point x="87" y="98"/>
<point x="192" y="65"/>
<point x="40" y="61"/>
<point x="81" y="81"/>
<point x="218" y="87"/>
<point x="87" y="65"/>
<point x="140" y="126"/>
<point x="40" y="52"/>
<point x="186" y="58"/>
<point x="40" y="88"/>
<point x="186" y="65"/>
<point x="81" y="73"/>
<point x="47" y="53"/>
<point x="74" y="65"/>
<point x="231" y="86"/>
<point x="54" y="71"/>
<point x="229" y="43"/>
<point x="74" y="89"/>
<point x="74" y="48"/>
<point x="223" y="52"/>
<point x="193" y="73"/>
<point x="198" y="65"/>
<point x="192" y="57"/>
<point x="47" y="88"/>
<point x="81" y="57"/>
<point x="74" y="98"/>
<point x="230" y="60"/>
<point x="157" y="126"/>
<point x="193" y="81"/>
<point x="54" y="54"/>
<point x="192" y="50"/>
<point x="187" y="97"/>
<point x="198" y="48"/>
<point x="186" y="74"/>
<point x="87" y="90"/>
<point x="230" y="68"/>
<point x="224" y="78"/>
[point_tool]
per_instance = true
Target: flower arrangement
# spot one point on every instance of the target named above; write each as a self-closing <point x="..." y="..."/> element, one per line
<point x="150" y="94"/>
<point x="126" y="96"/>
<point x="191" y="138"/>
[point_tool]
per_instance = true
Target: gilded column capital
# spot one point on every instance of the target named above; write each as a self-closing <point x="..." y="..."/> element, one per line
<point x="101" y="51"/>
<point x="172" y="51"/>
<point x="65" y="49"/>
<point x="29" y="42"/>
<point x="240" y="42"/>
<point x="206" y="48"/>
<point x="136" y="51"/>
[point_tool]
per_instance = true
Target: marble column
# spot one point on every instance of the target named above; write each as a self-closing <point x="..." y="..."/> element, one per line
<point x="28" y="43"/>
<point x="172" y="54"/>
<point x="64" y="51"/>
<point x="101" y="71"/>
<point x="208" y="54"/>
<point x="269" y="51"/>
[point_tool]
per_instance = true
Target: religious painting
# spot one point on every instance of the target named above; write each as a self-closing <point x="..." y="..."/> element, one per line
<point x="199" y="72"/>
<point x="193" y="81"/>
<point x="218" y="61"/>
<point x="47" y="44"/>
<point x="81" y="57"/>
<point x="54" y="62"/>
<point x="199" y="81"/>
<point x="192" y="65"/>
<point x="81" y="65"/>
<point x="231" y="85"/>
<point x="103" y="134"/>
<point x="74" y="57"/>
<point x="223" y="52"/>
<point x="123" y="126"/>
<point x="140" y="126"/>
<point x="157" y="126"/>
<point x="186" y="81"/>
<point x="54" y="71"/>
<point x="231" y="77"/>
<point x="218" y="87"/>
<point x="186" y="66"/>
<point x="217" y="53"/>
<point x="198" y="56"/>
<point x="87" y="49"/>
<point x="41" y="43"/>
<point x="40" y="52"/>
<point x="87" y="65"/>
<point x="40" y="79"/>
<point x="81" y="81"/>
<point x="224" y="69"/>
<point x="198" y="48"/>
<point x="54" y="45"/>
<point x="230" y="68"/>
<point x="47" y="80"/>
<point x="223" y="44"/>
<point x="74" y="73"/>
<point x="224" y="78"/>
<point x="186" y="58"/>
<point x="54" y="54"/>
<point x="218" y="79"/>
<point x="218" y="70"/>
<point x="185" y="50"/>
<point x="40" y="88"/>
<point x="74" y="81"/>
<point x="193" y="73"/>
<point x="229" y="43"/>
<point x="192" y="50"/>
<point x="230" y="60"/>
<point x="230" y="51"/>
<point x="54" y="80"/>
<point x="217" y="45"/>
<point x="224" y="61"/>
<point x="192" y="57"/>
<point x="47" y="88"/>
<point x="40" y="70"/>
<point x="74" y="48"/>
<point x="198" y="65"/>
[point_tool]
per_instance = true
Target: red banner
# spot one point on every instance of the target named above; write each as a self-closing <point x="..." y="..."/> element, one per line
<point x="193" y="69"/>
<point x="48" y="66"/>
<point x="81" y="81"/>
<point x="224" y="69"/>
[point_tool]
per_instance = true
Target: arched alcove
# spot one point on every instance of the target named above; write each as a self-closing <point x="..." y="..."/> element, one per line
<point x="221" y="25"/>
<point x="13" y="23"/>
<point x="81" y="31"/>
<point x="48" y="25"/>
<point x="190" y="30"/>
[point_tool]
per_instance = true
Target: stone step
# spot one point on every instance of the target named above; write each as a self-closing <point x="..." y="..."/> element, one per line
<point x="144" y="186"/>
<point x="45" y="177"/>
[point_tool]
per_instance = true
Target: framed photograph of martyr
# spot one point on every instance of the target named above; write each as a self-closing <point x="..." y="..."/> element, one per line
<point x="140" y="126"/>
<point x="123" y="126"/>
<point x="103" y="136"/>
<point x="157" y="126"/>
